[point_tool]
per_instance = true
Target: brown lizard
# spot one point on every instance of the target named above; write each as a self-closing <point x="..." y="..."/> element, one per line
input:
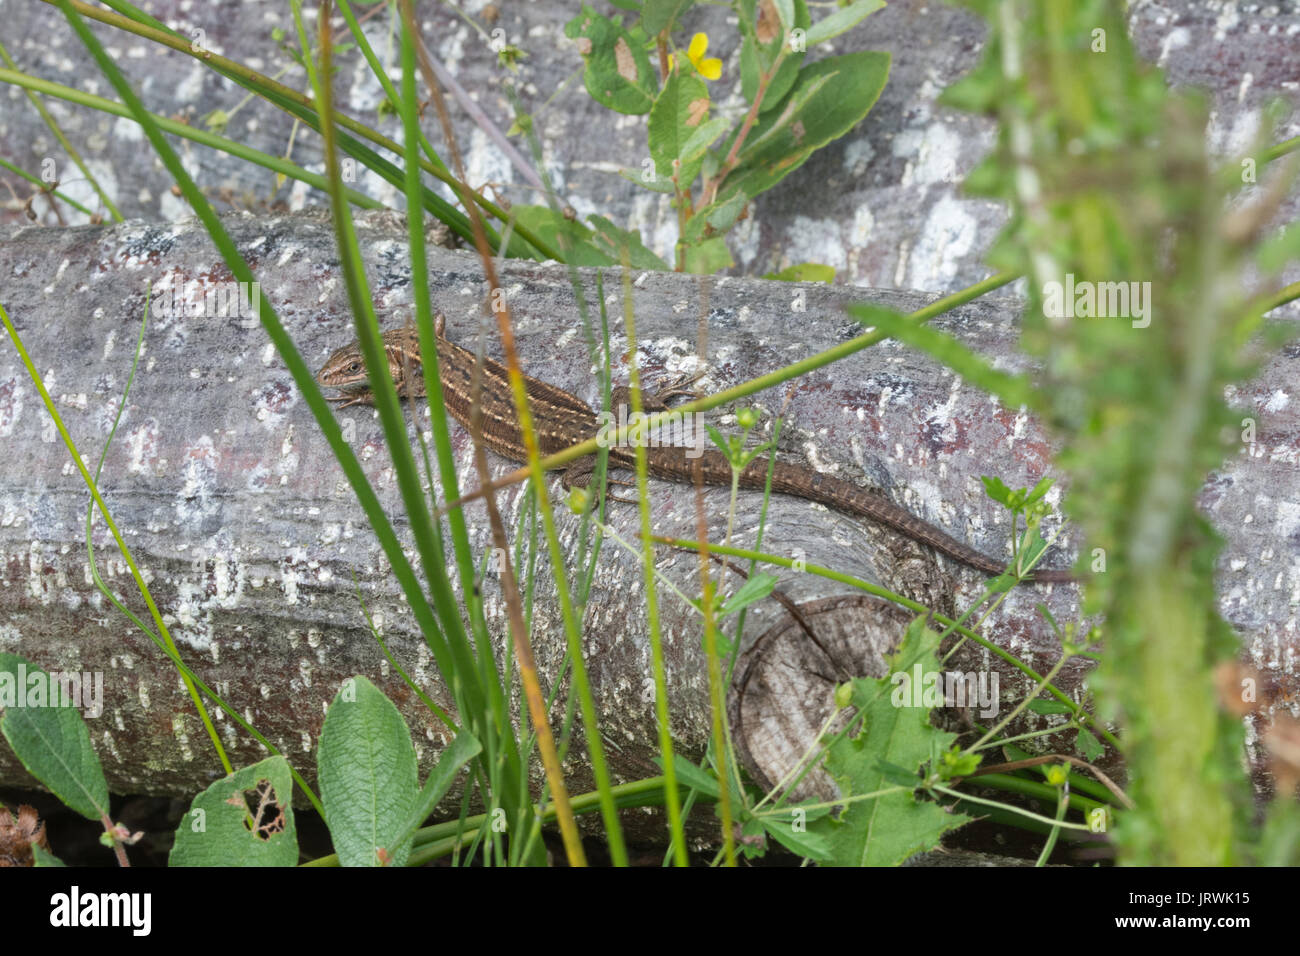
<point x="562" y="419"/>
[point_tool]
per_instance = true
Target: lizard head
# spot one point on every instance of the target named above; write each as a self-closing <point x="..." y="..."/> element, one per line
<point x="344" y="367"/>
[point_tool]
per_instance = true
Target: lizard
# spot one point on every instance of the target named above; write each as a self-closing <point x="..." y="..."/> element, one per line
<point x="562" y="419"/>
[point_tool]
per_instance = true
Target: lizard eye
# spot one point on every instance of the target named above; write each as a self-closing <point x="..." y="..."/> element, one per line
<point x="354" y="367"/>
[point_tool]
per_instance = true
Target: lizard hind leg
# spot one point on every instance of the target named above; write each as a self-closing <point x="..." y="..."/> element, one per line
<point x="677" y="386"/>
<point x="580" y="473"/>
<point x="656" y="398"/>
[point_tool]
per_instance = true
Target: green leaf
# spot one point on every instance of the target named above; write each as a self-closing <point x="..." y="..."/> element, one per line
<point x="52" y="742"/>
<point x="996" y="489"/>
<point x="885" y="830"/>
<point x="1049" y="707"/>
<point x="618" y="73"/>
<point x="1032" y="544"/>
<point x="827" y="100"/>
<point x="655" y="183"/>
<point x="585" y="247"/>
<point x="804" y="272"/>
<point x="1039" y="490"/>
<point x="1012" y="390"/>
<point x="462" y="750"/>
<point x="367" y="772"/>
<point x="786" y="76"/>
<point x="785" y="13"/>
<point x="724" y="443"/>
<point x="44" y="858"/>
<point x="1275" y="253"/>
<point x="681" y="108"/>
<point x="1089" y="746"/>
<point x="689" y="775"/>
<point x="1279" y="838"/>
<point x="611" y="239"/>
<point x="845" y="18"/>
<point x="894" y="774"/>
<point x="763" y="39"/>
<point x="708" y="257"/>
<point x="245" y="819"/>
<point x="1044" y="610"/>
<point x="958" y="763"/>
<point x="798" y="840"/>
<point x="704" y="136"/>
<point x="757" y="587"/>
<point x="659" y="15"/>
<point x="716" y="218"/>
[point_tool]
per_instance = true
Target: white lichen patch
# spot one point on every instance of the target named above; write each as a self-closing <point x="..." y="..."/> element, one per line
<point x="949" y="235"/>
<point x="182" y="738"/>
<point x="109" y="744"/>
<point x="196" y="502"/>
<point x="142" y="443"/>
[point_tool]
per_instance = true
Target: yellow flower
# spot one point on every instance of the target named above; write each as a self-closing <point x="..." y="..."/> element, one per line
<point x="711" y="68"/>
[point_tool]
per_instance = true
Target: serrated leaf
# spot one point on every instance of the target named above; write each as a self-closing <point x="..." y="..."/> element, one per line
<point x="885" y="830"/>
<point x="245" y="819"/>
<point x="1089" y="747"/>
<point x="51" y="742"/>
<point x="618" y="72"/>
<point x="997" y="489"/>
<point x="368" y="780"/>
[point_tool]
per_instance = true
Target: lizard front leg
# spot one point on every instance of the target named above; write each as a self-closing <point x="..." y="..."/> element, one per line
<point x="360" y="396"/>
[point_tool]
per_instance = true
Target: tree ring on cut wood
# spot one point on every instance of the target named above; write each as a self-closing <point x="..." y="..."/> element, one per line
<point x="784" y="690"/>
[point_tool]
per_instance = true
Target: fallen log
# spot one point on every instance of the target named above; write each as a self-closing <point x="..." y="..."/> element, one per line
<point x="252" y="539"/>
